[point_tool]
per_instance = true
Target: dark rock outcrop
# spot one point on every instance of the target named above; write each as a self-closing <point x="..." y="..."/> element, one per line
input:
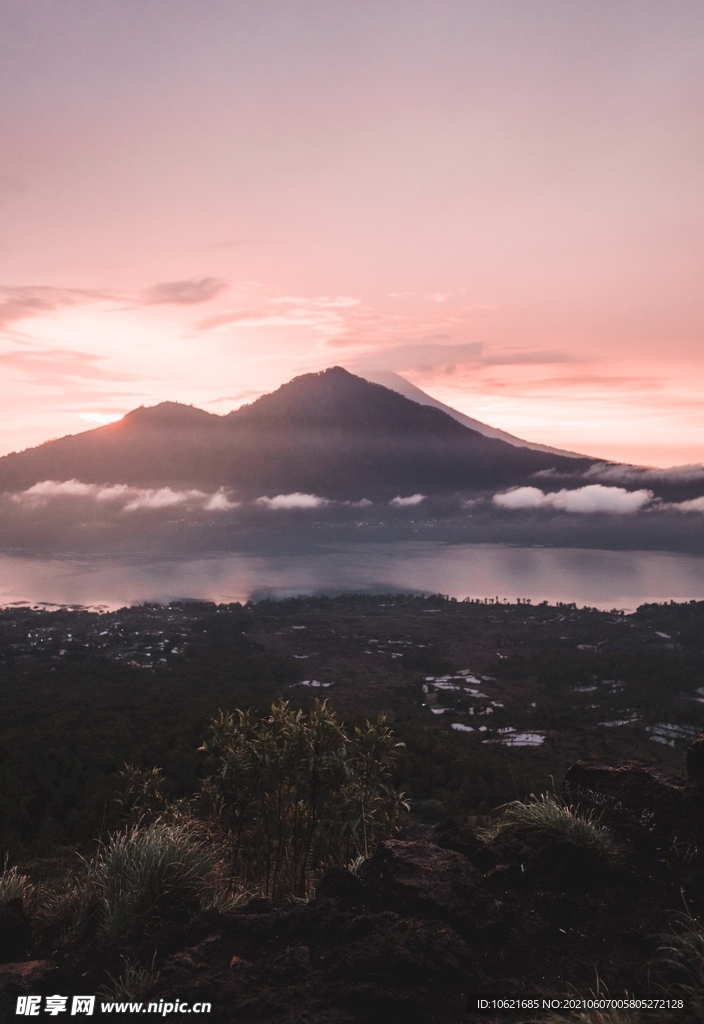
<point x="632" y="790"/>
<point x="422" y="878"/>
<point x="641" y="796"/>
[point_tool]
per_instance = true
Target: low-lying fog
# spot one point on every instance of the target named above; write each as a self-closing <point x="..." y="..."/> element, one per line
<point x="606" y="546"/>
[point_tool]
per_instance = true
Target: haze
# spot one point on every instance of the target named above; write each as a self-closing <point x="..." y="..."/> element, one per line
<point x="499" y="199"/>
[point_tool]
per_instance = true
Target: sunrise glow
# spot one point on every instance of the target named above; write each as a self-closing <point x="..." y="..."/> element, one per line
<point x="500" y="201"/>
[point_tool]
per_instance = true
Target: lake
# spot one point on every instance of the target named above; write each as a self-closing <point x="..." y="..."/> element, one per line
<point x="601" y="579"/>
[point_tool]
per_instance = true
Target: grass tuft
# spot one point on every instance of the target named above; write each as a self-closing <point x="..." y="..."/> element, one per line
<point x="149" y="873"/>
<point x="538" y="815"/>
<point x="132" y="984"/>
<point x="682" y="958"/>
<point x="15" y="886"/>
<point x="160" y="870"/>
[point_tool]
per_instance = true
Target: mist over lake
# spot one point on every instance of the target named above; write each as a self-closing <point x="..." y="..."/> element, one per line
<point x="598" y="578"/>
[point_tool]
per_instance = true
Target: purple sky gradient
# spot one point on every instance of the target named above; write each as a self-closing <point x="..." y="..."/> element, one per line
<point x="500" y="199"/>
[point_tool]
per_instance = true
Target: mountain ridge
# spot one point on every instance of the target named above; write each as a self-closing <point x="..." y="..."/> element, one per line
<point x="332" y="433"/>
<point x="395" y="382"/>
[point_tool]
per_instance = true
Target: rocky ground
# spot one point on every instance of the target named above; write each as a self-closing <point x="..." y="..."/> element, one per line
<point x="436" y="917"/>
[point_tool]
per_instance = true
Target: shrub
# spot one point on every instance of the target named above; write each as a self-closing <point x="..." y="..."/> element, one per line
<point x="142" y="793"/>
<point x="545" y="813"/>
<point x="297" y="792"/>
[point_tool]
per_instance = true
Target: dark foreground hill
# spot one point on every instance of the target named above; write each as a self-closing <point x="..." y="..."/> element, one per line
<point x="332" y="434"/>
<point x="436" y="919"/>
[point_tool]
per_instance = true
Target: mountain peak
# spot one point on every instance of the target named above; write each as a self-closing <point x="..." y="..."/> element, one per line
<point x="337" y="399"/>
<point x="168" y="415"/>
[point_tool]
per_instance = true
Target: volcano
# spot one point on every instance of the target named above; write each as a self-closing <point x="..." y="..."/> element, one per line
<point x="331" y="433"/>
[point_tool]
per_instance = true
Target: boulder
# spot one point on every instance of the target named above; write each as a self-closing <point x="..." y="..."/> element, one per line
<point x="632" y="791"/>
<point x="462" y="838"/>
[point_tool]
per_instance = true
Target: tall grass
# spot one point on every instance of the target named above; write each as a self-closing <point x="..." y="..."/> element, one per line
<point x="148" y="873"/>
<point x="15" y="886"/>
<point x="681" y="957"/>
<point x="538" y="815"/>
<point x="159" y="870"/>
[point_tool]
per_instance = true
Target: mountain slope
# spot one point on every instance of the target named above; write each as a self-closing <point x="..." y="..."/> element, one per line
<point x="330" y="433"/>
<point x="395" y="382"/>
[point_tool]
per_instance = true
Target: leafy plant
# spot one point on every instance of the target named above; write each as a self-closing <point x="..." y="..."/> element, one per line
<point x="142" y="793"/>
<point x="297" y="792"/>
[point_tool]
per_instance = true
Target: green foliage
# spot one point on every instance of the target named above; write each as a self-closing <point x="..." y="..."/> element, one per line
<point x="297" y="792"/>
<point x="546" y="813"/>
<point x="142" y="792"/>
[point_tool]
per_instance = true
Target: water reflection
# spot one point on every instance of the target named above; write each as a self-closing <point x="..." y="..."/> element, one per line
<point x="603" y="579"/>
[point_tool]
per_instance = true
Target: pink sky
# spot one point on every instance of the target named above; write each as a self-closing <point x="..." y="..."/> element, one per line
<point x="499" y="199"/>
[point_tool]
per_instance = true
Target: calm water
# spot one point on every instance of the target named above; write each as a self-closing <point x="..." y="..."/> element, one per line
<point x="603" y="579"/>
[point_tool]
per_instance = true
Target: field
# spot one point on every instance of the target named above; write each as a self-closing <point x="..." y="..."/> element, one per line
<point x="493" y="701"/>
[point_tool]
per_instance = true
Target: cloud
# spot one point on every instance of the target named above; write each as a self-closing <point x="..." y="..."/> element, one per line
<point x="48" y="366"/>
<point x="162" y="497"/>
<point x="57" y="489"/>
<point x="641" y="474"/>
<point x="536" y="357"/>
<point x="433" y="353"/>
<point x="412" y="499"/>
<point x="326" y="313"/>
<point x="592" y="498"/>
<point x="627" y="474"/>
<point x="184" y="293"/>
<point x="27" y="301"/>
<point x="421" y="356"/>
<point x="133" y="499"/>
<point x="295" y="500"/>
<point x="219" y="502"/>
<point x="693" y="505"/>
